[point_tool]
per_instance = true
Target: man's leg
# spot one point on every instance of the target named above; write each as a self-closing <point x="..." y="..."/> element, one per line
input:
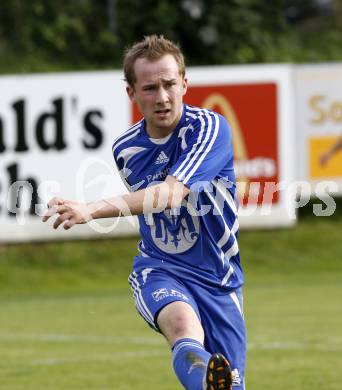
<point x="167" y="306"/>
<point x="223" y="322"/>
<point x="177" y="321"/>
<point x="194" y="366"/>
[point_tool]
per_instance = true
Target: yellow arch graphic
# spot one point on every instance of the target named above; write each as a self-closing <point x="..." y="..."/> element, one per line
<point x="240" y="150"/>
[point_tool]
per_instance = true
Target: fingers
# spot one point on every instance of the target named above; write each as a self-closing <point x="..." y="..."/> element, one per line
<point x="52" y="207"/>
<point x="55" y="209"/>
<point x="67" y="216"/>
<point x="70" y="213"/>
<point x="55" y="201"/>
<point x="69" y="224"/>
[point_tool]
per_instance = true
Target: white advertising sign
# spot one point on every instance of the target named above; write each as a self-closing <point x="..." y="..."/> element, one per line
<point x="319" y="126"/>
<point x="56" y="132"/>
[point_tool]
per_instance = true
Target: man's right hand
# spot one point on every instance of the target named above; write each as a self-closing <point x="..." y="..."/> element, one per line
<point x="70" y="212"/>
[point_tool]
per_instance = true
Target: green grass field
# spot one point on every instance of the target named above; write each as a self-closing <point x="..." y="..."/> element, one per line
<point x="67" y="319"/>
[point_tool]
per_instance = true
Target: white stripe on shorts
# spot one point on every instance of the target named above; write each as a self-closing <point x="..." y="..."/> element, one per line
<point x="141" y="305"/>
<point x="235" y="299"/>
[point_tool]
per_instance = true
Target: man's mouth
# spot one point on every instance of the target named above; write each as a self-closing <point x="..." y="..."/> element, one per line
<point x="164" y="111"/>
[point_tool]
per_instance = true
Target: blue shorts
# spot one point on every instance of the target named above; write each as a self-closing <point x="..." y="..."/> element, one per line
<point x="221" y="316"/>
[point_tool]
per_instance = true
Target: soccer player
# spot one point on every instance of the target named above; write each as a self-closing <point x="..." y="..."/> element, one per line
<point x="177" y="163"/>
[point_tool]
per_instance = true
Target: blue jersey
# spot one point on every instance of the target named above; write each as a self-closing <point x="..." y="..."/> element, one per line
<point x="199" y="239"/>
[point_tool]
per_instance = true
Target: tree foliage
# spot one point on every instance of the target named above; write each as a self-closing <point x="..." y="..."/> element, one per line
<point x="83" y="34"/>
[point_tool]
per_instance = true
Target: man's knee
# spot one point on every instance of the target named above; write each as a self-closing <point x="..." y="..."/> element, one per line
<point x="179" y="320"/>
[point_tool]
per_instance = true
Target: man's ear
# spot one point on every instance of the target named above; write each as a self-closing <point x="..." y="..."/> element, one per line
<point x="130" y="92"/>
<point x="185" y="85"/>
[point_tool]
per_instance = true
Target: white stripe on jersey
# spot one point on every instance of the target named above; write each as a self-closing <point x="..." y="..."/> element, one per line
<point x="192" y="151"/>
<point x="141" y="248"/>
<point x="227" y="232"/>
<point x="227" y="275"/>
<point x="128" y="153"/>
<point x="130" y="133"/>
<point x="123" y="178"/>
<point x="225" y="236"/>
<point x="235" y="227"/>
<point x="191" y="115"/>
<point x="224" y="239"/>
<point x="202" y="157"/>
<point x="226" y="195"/>
<point x="193" y="108"/>
<point x="198" y="148"/>
<point x="233" y="250"/>
<point x="125" y="140"/>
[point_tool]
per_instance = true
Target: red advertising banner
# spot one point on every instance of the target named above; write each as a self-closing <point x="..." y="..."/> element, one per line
<point x="251" y="110"/>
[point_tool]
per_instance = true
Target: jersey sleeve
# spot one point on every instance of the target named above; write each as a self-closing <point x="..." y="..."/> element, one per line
<point x="121" y="169"/>
<point x="209" y="151"/>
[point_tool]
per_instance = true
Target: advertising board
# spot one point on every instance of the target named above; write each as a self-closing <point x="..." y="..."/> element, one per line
<point x="319" y="125"/>
<point x="56" y="132"/>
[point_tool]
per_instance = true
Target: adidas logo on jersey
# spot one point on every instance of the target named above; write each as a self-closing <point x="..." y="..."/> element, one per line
<point x="162" y="158"/>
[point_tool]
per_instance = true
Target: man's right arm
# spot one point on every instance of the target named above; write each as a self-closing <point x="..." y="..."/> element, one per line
<point x="156" y="198"/>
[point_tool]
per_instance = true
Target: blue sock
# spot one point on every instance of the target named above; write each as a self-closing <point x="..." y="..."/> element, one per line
<point x="190" y="361"/>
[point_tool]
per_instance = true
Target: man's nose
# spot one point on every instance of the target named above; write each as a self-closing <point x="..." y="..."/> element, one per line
<point x="162" y="95"/>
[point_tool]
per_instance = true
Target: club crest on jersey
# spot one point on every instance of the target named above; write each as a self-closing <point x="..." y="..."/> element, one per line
<point x="175" y="233"/>
<point x="162" y="158"/>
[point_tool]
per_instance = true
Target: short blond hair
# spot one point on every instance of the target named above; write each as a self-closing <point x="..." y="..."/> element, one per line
<point x="152" y="47"/>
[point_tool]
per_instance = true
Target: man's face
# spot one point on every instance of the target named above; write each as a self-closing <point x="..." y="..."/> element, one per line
<point x="158" y="92"/>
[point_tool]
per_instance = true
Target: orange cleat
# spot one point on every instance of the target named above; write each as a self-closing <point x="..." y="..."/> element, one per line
<point x="219" y="375"/>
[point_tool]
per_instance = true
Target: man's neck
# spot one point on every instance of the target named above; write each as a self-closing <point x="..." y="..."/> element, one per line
<point x="159" y="132"/>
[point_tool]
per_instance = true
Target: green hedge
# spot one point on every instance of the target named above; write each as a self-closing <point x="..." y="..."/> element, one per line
<point x="50" y="35"/>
